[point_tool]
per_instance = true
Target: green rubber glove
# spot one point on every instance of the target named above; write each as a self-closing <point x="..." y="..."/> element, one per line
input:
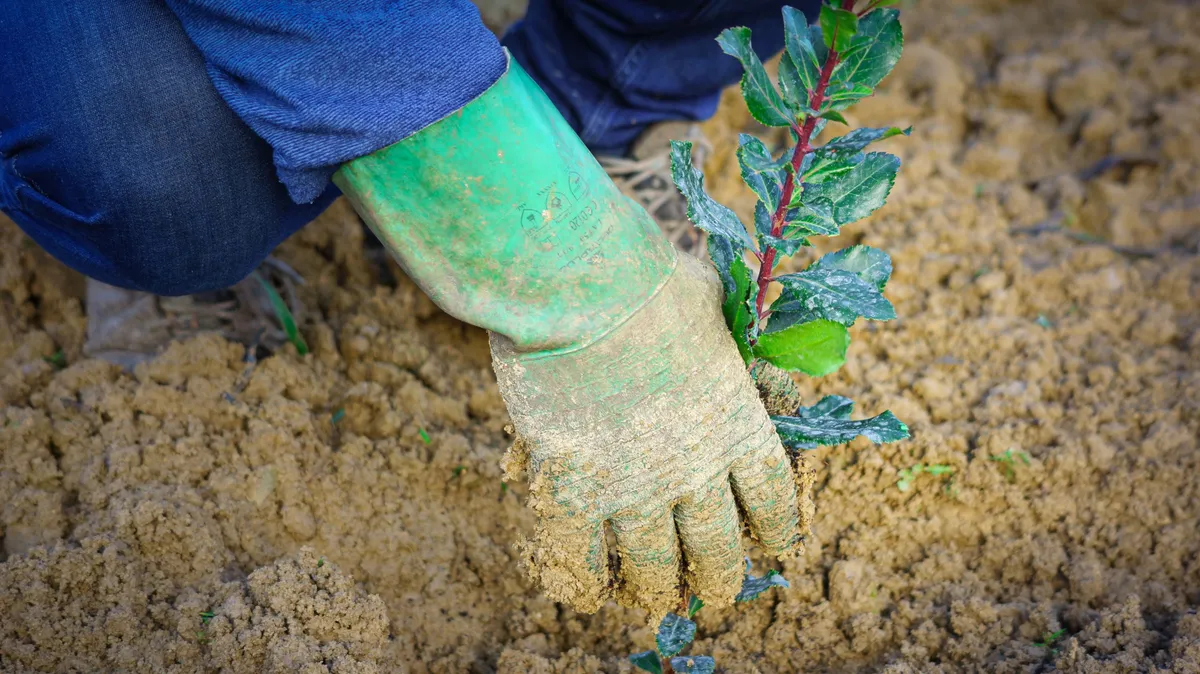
<point x="633" y="408"/>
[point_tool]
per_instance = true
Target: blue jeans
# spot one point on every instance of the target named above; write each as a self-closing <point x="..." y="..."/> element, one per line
<point x="169" y="145"/>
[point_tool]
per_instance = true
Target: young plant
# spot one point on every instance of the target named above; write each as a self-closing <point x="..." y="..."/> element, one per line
<point x="807" y="191"/>
<point x="675" y="632"/>
<point x="908" y="475"/>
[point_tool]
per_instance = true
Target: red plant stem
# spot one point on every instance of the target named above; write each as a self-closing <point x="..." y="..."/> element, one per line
<point x="803" y="147"/>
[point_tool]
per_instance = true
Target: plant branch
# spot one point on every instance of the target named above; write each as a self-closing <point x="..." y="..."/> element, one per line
<point x="803" y="147"/>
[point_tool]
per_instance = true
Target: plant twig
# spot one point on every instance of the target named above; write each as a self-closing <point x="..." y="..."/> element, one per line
<point x="803" y="147"/>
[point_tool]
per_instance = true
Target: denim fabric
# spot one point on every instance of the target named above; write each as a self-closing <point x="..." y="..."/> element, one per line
<point x="615" y="67"/>
<point x="326" y="82"/>
<point x="118" y="157"/>
<point x="143" y="142"/>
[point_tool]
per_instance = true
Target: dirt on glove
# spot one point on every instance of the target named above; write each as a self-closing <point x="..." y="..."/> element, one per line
<point x="344" y="511"/>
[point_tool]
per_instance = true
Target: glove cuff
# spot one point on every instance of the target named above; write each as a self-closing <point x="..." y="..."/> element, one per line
<point x="505" y="219"/>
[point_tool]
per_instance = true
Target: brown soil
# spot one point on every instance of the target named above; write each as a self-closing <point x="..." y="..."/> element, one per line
<point x="206" y="513"/>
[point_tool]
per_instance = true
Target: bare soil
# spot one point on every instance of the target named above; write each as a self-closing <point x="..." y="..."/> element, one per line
<point x="216" y="512"/>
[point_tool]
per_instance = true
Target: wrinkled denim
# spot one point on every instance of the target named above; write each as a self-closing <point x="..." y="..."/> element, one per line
<point x="169" y="145"/>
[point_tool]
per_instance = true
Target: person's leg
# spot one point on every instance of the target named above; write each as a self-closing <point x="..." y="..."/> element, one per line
<point x="615" y="67"/>
<point x="119" y="158"/>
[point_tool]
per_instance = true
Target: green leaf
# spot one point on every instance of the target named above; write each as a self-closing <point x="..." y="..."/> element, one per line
<point x="694" y="606"/>
<point x="841" y="95"/>
<point x="833" y="407"/>
<point x="814" y="215"/>
<point x="786" y="247"/>
<point x="860" y="138"/>
<point x="647" y="661"/>
<point x="873" y="52"/>
<point x="838" y="27"/>
<point x="58" y="359"/>
<point x="850" y="196"/>
<point x="674" y="632"/>
<point x="760" y="172"/>
<point x="737" y="282"/>
<point x="283" y="314"/>
<point x="828" y="423"/>
<point x="752" y="587"/>
<point x="870" y="264"/>
<point x="762" y="99"/>
<point x="831" y="293"/>
<point x="834" y="116"/>
<point x="762" y="220"/>
<point x="703" y="210"/>
<point x="815" y="348"/>
<point x="801" y="53"/>
<point x="693" y="664"/>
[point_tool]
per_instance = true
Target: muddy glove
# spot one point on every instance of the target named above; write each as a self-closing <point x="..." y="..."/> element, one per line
<point x="632" y="405"/>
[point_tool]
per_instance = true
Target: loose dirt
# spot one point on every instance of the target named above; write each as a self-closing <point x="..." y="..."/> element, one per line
<point x="217" y="512"/>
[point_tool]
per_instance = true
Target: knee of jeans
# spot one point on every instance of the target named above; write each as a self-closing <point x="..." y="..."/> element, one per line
<point x="187" y="236"/>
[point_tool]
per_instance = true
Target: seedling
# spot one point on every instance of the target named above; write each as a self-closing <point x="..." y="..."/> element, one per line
<point x="1044" y="322"/>
<point x="675" y="632"/>
<point x="807" y="191"/>
<point x="1009" y="460"/>
<point x="424" y="436"/>
<point x="338" y="416"/>
<point x="1050" y="640"/>
<point x="58" y="359"/>
<point x="283" y="314"/>
<point x="908" y="475"/>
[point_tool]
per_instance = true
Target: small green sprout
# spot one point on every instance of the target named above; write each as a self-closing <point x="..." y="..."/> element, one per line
<point x="909" y="475"/>
<point x="458" y="470"/>
<point x="320" y="562"/>
<point x="1009" y="460"/>
<point x="284" y="314"/>
<point x="424" y="436"/>
<point x="1044" y="322"/>
<point x="1050" y="640"/>
<point x="58" y="359"/>
<point x="338" y="416"/>
<point x="205" y="617"/>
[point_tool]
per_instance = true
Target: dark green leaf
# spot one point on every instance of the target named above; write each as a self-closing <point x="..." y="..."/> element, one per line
<point x="674" y="632"/>
<point x="815" y="348"/>
<point x="838" y="27"/>
<point x="833" y="407"/>
<point x="58" y="359"/>
<point x="762" y="99"/>
<point x="835" y="294"/>
<point x="791" y="85"/>
<point x="693" y="664"/>
<point x="870" y="264"/>
<point x="807" y="433"/>
<point x="821" y="166"/>
<point x="786" y="247"/>
<point x="873" y="51"/>
<point x="694" y="606"/>
<point x="647" y="662"/>
<point x="752" y="587"/>
<point x="841" y="95"/>
<point x="860" y="138"/>
<point x="737" y="282"/>
<point x="762" y="220"/>
<point x="760" y="172"/>
<point x="851" y="196"/>
<point x="799" y="67"/>
<point x="702" y="209"/>
<point x="814" y="215"/>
